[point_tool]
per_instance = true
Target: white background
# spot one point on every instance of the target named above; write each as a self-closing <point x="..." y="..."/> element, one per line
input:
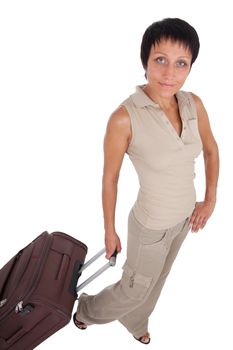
<point x="64" y="67"/>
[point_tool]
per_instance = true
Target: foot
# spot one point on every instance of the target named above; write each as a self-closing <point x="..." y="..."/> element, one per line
<point x="145" y="339"/>
<point x="79" y="324"/>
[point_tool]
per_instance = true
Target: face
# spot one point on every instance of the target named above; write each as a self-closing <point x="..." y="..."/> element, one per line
<point x="168" y="67"/>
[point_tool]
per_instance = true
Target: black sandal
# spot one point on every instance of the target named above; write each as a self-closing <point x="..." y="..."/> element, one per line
<point x="79" y="324"/>
<point x="141" y="341"/>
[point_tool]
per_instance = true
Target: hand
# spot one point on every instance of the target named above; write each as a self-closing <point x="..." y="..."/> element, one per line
<point x="112" y="243"/>
<point x="200" y="215"/>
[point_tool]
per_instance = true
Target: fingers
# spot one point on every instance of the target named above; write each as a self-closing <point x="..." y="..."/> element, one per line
<point x="197" y="222"/>
<point x="119" y="247"/>
<point x="200" y="215"/>
<point x="110" y="251"/>
<point x="112" y="244"/>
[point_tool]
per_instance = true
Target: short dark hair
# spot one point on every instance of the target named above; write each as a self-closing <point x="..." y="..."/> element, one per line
<point x="174" y="29"/>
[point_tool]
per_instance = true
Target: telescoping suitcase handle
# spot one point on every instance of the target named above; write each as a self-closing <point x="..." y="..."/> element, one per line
<point x="111" y="262"/>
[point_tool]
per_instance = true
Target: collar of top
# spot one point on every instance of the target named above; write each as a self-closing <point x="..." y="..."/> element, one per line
<point x="140" y="98"/>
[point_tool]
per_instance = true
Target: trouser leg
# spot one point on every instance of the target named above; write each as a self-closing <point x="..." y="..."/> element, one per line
<point x="144" y="265"/>
<point x="137" y="321"/>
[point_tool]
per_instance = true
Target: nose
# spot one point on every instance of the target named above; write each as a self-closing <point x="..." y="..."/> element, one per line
<point x="169" y="72"/>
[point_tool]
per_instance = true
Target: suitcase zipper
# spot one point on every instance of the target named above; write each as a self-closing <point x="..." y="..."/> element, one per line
<point x="3" y="302"/>
<point x="35" y="279"/>
<point x="4" y="291"/>
<point x="19" y="307"/>
<point x="36" y="276"/>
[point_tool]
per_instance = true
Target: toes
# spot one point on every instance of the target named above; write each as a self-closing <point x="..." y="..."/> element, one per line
<point x="145" y="339"/>
<point x="79" y="324"/>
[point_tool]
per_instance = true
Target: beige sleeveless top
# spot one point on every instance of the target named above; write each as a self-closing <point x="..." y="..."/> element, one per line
<point x="163" y="161"/>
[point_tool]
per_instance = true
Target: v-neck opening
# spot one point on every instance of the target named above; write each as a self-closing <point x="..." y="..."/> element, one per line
<point x="180" y="137"/>
<point x="165" y="118"/>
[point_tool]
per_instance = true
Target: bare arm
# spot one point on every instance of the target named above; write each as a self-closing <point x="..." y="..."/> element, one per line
<point x="116" y="142"/>
<point x="203" y="210"/>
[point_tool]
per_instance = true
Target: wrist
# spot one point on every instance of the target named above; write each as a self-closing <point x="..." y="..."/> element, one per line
<point x="110" y="232"/>
<point x="211" y="194"/>
<point x="210" y="201"/>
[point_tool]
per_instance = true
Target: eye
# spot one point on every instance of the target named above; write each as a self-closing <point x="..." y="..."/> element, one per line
<point x="161" y="60"/>
<point x="181" y="64"/>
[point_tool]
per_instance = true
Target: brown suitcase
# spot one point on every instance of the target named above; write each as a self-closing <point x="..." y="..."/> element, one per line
<point x="38" y="290"/>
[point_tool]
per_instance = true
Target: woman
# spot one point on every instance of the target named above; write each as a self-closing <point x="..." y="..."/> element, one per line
<point x="162" y="129"/>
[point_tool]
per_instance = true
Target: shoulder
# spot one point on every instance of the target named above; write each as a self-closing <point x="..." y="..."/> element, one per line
<point x="203" y="119"/>
<point x="204" y="126"/>
<point x="198" y="102"/>
<point x="119" y="123"/>
<point x="119" y="117"/>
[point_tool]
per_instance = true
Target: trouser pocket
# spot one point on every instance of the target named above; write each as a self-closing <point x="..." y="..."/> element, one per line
<point x="146" y="252"/>
<point x="134" y="285"/>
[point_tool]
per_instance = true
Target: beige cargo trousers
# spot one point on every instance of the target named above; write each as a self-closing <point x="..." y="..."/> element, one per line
<point x="131" y="300"/>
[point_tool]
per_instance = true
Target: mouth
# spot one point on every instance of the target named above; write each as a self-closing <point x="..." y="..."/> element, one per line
<point x="167" y="85"/>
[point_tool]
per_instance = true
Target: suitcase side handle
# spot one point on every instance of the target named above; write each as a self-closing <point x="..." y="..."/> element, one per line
<point x="111" y="262"/>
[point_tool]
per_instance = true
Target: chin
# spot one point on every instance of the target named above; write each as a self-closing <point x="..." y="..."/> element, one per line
<point x="167" y="92"/>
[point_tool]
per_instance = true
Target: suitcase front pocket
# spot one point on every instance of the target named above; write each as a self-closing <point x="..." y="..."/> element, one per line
<point x="29" y="328"/>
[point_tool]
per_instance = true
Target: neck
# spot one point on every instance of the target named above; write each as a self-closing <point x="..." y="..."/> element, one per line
<point x="164" y="102"/>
